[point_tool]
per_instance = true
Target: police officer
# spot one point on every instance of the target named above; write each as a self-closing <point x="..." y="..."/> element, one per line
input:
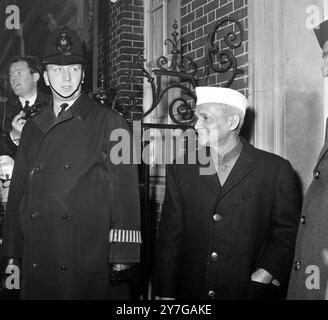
<point x="309" y="278"/>
<point x="68" y="220"/>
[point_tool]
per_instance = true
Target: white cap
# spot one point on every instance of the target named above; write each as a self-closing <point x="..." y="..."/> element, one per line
<point x="221" y="95"/>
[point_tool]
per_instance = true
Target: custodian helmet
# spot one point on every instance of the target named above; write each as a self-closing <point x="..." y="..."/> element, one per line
<point x="64" y="47"/>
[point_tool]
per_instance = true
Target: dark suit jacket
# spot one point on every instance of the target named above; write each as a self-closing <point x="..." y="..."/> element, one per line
<point x="212" y="238"/>
<point x="8" y="111"/>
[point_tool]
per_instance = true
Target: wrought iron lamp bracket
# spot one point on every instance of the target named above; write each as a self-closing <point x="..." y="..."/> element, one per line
<point x="183" y="72"/>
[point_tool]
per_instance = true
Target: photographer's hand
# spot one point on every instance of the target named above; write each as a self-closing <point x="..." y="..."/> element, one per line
<point x="17" y="124"/>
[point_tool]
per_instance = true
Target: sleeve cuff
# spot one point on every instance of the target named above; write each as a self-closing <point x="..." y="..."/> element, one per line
<point x="15" y="141"/>
<point x="124" y="236"/>
<point x="124" y="246"/>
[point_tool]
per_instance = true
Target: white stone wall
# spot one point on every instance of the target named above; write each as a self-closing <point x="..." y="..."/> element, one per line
<point x="286" y="85"/>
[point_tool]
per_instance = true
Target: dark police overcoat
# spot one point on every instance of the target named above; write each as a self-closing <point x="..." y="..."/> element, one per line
<point x="309" y="278"/>
<point x="71" y="210"/>
<point x="212" y="238"/>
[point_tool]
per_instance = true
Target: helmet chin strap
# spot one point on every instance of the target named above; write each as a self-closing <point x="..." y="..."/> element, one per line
<point x="66" y="97"/>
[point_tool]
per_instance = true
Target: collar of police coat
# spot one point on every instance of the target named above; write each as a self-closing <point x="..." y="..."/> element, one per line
<point x="80" y="107"/>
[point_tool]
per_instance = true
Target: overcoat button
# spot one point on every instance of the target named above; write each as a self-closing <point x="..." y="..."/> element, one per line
<point x="217" y="217"/>
<point x="211" y="294"/>
<point x="214" y="256"/>
<point x="34" y="215"/>
<point x="297" y="265"/>
<point x="317" y="175"/>
<point x="303" y="220"/>
<point x="63" y="267"/>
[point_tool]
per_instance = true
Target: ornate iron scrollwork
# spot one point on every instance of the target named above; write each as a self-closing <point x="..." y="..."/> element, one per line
<point x="182" y="68"/>
<point x="179" y="64"/>
<point x="225" y="57"/>
<point x="185" y="69"/>
<point x="184" y="110"/>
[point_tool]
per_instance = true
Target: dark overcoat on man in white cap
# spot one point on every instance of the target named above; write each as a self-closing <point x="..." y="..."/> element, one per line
<point x="212" y="238"/>
<point x="309" y="277"/>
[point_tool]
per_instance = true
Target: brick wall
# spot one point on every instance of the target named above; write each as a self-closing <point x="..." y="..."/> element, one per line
<point x="121" y="40"/>
<point x="197" y="18"/>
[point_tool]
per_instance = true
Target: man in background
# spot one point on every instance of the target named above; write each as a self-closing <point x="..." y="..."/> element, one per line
<point x="309" y="276"/>
<point x="24" y="75"/>
<point x="27" y="100"/>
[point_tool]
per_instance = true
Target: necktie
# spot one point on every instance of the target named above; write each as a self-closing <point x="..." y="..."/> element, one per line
<point x="62" y="108"/>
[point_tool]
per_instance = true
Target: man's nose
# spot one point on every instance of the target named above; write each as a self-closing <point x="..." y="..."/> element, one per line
<point x="66" y="75"/>
<point x="197" y="125"/>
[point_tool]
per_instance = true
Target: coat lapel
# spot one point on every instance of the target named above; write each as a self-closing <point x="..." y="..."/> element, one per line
<point x="322" y="154"/>
<point x="212" y="181"/>
<point x="245" y="164"/>
<point x="41" y="99"/>
<point x="17" y="107"/>
<point x="46" y="120"/>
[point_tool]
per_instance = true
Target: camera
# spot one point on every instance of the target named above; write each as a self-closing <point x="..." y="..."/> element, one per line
<point x="30" y="111"/>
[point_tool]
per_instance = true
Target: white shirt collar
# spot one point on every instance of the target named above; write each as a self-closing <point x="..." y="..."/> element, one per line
<point x="70" y="103"/>
<point x="30" y="100"/>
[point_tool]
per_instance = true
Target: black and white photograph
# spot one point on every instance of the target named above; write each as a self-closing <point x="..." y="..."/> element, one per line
<point x="168" y="152"/>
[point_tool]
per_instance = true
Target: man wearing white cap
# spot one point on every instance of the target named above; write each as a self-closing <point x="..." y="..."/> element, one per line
<point x="231" y="234"/>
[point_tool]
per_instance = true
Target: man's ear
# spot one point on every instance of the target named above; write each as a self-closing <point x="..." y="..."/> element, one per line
<point x="234" y="122"/>
<point x="45" y="77"/>
<point x="36" y="77"/>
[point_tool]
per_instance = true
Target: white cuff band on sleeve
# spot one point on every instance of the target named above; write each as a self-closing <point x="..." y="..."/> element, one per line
<point x="128" y="236"/>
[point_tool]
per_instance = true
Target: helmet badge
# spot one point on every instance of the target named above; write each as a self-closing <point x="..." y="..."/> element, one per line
<point x="63" y="42"/>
